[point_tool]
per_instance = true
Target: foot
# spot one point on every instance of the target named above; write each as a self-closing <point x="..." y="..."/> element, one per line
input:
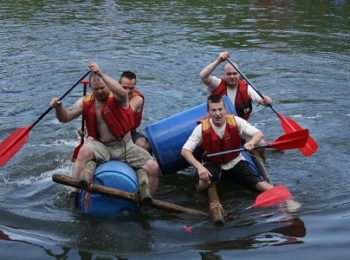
<point x="145" y="195"/>
<point x="84" y="180"/>
<point x="293" y="206"/>
<point x="73" y="200"/>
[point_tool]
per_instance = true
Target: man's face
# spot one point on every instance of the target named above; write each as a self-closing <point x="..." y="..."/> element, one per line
<point x="128" y="84"/>
<point x="99" y="89"/>
<point x="230" y="75"/>
<point x="217" y="113"/>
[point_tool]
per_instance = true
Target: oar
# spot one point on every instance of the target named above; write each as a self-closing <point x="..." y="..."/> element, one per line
<point x="76" y="150"/>
<point x="284" y="142"/>
<point x="70" y="181"/>
<point x="288" y="124"/>
<point x="268" y="198"/>
<point x="11" y="144"/>
<point x="272" y="197"/>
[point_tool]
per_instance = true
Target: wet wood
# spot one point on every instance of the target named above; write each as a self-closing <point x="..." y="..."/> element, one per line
<point x="70" y="181"/>
<point x="216" y="211"/>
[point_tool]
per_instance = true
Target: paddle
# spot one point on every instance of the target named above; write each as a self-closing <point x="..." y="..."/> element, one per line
<point x="70" y="181"/>
<point x="11" y="144"/>
<point x="76" y="150"/>
<point x="271" y="197"/>
<point x="284" y="142"/>
<point x="288" y="124"/>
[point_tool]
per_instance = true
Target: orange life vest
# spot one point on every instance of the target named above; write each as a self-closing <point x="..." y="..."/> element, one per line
<point x="243" y="102"/>
<point x="119" y="120"/>
<point x="212" y="143"/>
<point x="138" y="115"/>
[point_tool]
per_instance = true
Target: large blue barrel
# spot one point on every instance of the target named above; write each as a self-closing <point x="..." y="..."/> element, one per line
<point x="116" y="175"/>
<point x="169" y="135"/>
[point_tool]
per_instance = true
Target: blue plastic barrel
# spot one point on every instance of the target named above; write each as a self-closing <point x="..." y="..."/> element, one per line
<point x="168" y="136"/>
<point x="116" y="175"/>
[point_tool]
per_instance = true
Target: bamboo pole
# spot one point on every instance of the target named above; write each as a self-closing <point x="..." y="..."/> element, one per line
<point x="70" y="181"/>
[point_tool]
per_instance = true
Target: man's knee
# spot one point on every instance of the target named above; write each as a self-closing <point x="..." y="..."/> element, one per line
<point x="85" y="154"/>
<point x="152" y="167"/>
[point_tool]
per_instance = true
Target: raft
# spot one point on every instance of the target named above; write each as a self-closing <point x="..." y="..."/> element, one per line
<point x="166" y="138"/>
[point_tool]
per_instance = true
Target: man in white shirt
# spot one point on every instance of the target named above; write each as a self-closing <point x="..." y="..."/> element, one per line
<point x="223" y="132"/>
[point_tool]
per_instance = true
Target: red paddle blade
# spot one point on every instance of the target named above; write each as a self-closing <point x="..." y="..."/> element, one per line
<point x="290" y="141"/>
<point x="289" y="126"/>
<point x="273" y="196"/>
<point x="76" y="150"/>
<point x="10" y="146"/>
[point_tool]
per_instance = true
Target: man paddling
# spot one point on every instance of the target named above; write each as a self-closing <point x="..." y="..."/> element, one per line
<point x="240" y="93"/>
<point x="109" y="119"/>
<point x="218" y="132"/>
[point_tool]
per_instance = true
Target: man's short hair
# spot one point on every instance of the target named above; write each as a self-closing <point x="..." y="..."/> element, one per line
<point x="215" y="99"/>
<point x="128" y="74"/>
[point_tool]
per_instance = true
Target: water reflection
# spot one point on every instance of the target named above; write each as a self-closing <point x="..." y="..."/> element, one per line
<point x="291" y="231"/>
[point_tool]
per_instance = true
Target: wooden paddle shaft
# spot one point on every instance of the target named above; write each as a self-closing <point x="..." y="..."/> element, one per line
<point x="70" y="181"/>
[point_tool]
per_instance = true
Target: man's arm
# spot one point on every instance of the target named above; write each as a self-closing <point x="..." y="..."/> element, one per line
<point x="249" y="133"/>
<point x="257" y="98"/>
<point x="65" y="115"/>
<point x="136" y="103"/>
<point x="206" y="74"/>
<point x="114" y="86"/>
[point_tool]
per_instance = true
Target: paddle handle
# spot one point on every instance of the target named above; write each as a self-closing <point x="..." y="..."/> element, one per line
<point x="246" y="79"/>
<point x="83" y="119"/>
<point x="63" y="96"/>
<point x="234" y="151"/>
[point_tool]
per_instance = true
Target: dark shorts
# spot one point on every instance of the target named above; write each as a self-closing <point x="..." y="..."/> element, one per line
<point x="241" y="174"/>
<point x="137" y="135"/>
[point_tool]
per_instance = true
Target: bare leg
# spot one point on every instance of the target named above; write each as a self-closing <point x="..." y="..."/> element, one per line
<point x="144" y="186"/>
<point x="152" y="168"/>
<point x="143" y="142"/>
<point x="260" y="164"/>
<point x="85" y="155"/>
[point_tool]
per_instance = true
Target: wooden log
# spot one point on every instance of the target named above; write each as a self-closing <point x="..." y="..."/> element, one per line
<point x="108" y="191"/>
<point x="216" y="211"/>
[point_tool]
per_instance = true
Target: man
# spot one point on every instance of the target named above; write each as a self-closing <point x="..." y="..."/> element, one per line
<point x="240" y="93"/>
<point x="218" y="132"/>
<point x="109" y="119"/>
<point x="136" y="99"/>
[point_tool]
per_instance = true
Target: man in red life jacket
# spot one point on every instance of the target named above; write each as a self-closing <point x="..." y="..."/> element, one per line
<point x="240" y="93"/>
<point x="136" y="99"/>
<point x="220" y="132"/>
<point x="109" y="120"/>
<point x="217" y="133"/>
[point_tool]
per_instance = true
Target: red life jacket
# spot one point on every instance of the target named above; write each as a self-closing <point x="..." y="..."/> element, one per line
<point x="119" y="120"/>
<point x="212" y="143"/>
<point x="243" y="102"/>
<point x="138" y="115"/>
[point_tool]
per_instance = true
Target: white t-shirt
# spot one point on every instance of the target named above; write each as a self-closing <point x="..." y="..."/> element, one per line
<point x="245" y="131"/>
<point x="231" y="93"/>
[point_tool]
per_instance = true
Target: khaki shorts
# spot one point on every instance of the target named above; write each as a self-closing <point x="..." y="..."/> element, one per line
<point x="125" y="151"/>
